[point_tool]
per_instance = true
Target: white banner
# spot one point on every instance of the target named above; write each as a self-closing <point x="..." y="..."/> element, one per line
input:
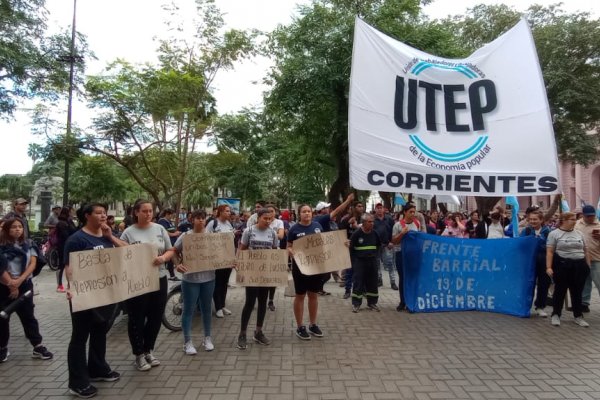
<point x="477" y="126"/>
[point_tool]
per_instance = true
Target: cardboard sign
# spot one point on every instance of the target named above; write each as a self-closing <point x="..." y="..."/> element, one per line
<point x="108" y="276"/>
<point x="265" y="268"/>
<point x="322" y="252"/>
<point x="208" y="251"/>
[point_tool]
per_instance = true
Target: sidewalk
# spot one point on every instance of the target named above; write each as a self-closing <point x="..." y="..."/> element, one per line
<point x="369" y="355"/>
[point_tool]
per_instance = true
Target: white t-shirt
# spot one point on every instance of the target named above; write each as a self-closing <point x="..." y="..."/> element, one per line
<point x="154" y="234"/>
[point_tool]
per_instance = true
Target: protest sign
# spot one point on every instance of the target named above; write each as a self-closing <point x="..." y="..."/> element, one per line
<point x="266" y="268"/>
<point x="107" y="276"/>
<point x="208" y="251"/>
<point x="322" y="252"/>
<point x="452" y="274"/>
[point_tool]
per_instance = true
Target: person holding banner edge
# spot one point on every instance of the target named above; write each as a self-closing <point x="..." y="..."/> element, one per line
<point x="406" y="223"/>
<point x="197" y="289"/>
<point x="145" y="311"/>
<point x="305" y="285"/>
<point x="92" y="323"/>
<point x="567" y="262"/>
<point x="257" y="237"/>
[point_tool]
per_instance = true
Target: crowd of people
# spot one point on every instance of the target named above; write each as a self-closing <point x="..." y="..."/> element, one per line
<point x="568" y="247"/>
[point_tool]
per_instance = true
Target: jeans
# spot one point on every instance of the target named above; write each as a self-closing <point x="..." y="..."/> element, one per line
<point x="145" y="316"/>
<point x="400" y="277"/>
<point x="25" y="314"/>
<point x="594" y="276"/>
<point x="253" y="293"/>
<point x="194" y="295"/>
<point x="85" y="324"/>
<point x="386" y="259"/>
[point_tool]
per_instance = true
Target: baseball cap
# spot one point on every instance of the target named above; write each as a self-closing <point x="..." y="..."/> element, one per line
<point x="21" y="200"/>
<point x="321" y="205"/>
<point x="54" y="207"/>
<point x="588" y="210"/>
<point x="378" y="205"/>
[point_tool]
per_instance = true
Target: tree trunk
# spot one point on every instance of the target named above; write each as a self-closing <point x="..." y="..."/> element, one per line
<point x="387" y="199"/>
<point x="486" y="204"/>
<point x="434" y="205"/>
<point x="340" y="148"/>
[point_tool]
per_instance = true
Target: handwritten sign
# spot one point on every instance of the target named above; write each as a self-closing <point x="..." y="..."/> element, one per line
<point x="108" y="276"/>
<point x="208" y="251"/>
<point x="262" y="268"/>
<point x="322" y="252"/>
<point x="452" y="274"/>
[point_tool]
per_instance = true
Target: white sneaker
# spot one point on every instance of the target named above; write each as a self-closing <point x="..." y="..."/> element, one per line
<point x="555" y="320"/>
<point x="219" y="313"/>
<point x="189" y="349"/>
<point x="541" y="312"/>
<point x="226" y="311"/>
<point x="150" y="359"/>
<point x="581" y="322"/>
<point x="141" y="364"/>
<point x="208" y="344"/>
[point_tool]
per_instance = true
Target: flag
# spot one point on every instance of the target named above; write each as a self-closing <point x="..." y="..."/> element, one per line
<point x="564" y="204"/>
<point x="399" y="199"/>
<point x="512" y="200"/>
<point x="598" y="209"/>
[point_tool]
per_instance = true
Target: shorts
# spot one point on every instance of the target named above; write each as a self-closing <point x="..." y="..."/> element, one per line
<point x="307" y="283"/>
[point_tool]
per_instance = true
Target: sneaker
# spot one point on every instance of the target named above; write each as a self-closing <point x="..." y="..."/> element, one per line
<point x="226" y="311"/>
<point x="189" y="349"/>
<point x="141" y="364"/>
<point x="174" y="279"/>
<point x="355" y="308"/>
<point x="4" y="353"/>
<point x="346" y="295"/>
<point x="394" y="286"/>
<point x="112" y="376"/>
<point x="401" y="307"/>
<point x="374" y="307"/>
<point x="219" y="314"/>
<point x="153" y="361"/>
<point x="42" y="353"/>
<point x="581" y="322"/>
<point x="302" y="333"/>
<point x="585" y="308"/>
<point x="242" y="343"/>
<point x="208" y="344"/>
<point x="85" y="393"/>
<point x="271" y="306"/>
<point x="323" y="293"/>
<point x="555" y="320"/>
<point x="379" y="283"/>
<point x="540" y="312"/>
<point x="60" y="289"/>
<point x="260" y="338"/>
<point x="315" y="331"/>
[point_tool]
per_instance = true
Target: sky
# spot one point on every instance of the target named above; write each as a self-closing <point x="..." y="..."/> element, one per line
<point x="127" y="28"/>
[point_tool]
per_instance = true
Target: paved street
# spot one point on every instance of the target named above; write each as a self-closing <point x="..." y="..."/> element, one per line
<point x="369" y="355"/>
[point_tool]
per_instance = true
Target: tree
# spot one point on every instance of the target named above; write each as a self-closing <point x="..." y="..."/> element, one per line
<point x="31" y="62"/>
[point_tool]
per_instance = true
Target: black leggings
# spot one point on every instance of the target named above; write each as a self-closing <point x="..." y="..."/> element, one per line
<point x="221" y="282"/>
<point x="272" y="294"/>
<point x="253" y="293"/>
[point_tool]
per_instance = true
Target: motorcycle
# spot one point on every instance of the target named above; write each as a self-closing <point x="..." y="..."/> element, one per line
<point x="171" y="318"/>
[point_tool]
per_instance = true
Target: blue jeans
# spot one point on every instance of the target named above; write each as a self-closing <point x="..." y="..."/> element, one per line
<point x="194" y="295"/>
<point x="594" y="276"/>
<point x="386" y="259"/>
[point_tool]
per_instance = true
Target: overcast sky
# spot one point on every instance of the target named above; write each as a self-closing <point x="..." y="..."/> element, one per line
<point x="126" y="28"/>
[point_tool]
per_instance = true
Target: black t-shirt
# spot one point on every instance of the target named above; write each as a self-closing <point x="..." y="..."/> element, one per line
<point x="80" y="241"/>
<point x="364" y="245"/>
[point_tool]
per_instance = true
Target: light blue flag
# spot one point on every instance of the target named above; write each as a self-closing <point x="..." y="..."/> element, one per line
<point x="512" y="200"/>
<point x="564" y="205"/>
<point x="598" y="209"/>
<point x="399" y="199"/>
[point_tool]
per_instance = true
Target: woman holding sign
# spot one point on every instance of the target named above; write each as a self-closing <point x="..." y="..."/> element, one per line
<point x="197" y="289"/>
<point x="257" y="237"/>
<point x="92" y="323"/>
<point x="311" y="284"/>
<point x="219" y="225"/>
<point x="145" y="311"/>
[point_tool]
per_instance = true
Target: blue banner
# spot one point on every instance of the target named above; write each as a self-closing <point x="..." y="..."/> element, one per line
<point x="452" y="274"/>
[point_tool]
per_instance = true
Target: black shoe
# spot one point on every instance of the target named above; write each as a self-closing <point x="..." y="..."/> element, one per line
<point x="4" y="353"/>
<point x="379" y="283"/>
<point x="174" y="279"/>
<point x="112" y="376"/>
<point x="271" y="306"/>
<point x="585" y="308"/>
<point x="374" y="307"/>
<point x="302" y="333"/>
<point x="355" y="308"/>
<point x="323" y="293"/>
<point x="41" y="352"/>
<point x="242" y="343"/>
<point x="401" y="307"/>
<point x="346" y="295"/>
<point x="394" y="286"/>
<point x="260" y="338"/>
<point x="85" y="393"/>
<point x="315" y="331"/>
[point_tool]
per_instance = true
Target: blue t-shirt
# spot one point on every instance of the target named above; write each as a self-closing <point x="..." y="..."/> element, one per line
<point x="80" y="241"/>
<point x="298" y="230"/>
<point x="324" y="220"/>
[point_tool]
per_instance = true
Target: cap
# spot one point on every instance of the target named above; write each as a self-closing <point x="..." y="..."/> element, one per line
<point x="321" y="205"/>
<point x="588" y="210"/>
<point x="378" y="205"/>
<point x="21" y="200"/>
<point x="54" y="207"/>
<point x="285" y="215"/>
